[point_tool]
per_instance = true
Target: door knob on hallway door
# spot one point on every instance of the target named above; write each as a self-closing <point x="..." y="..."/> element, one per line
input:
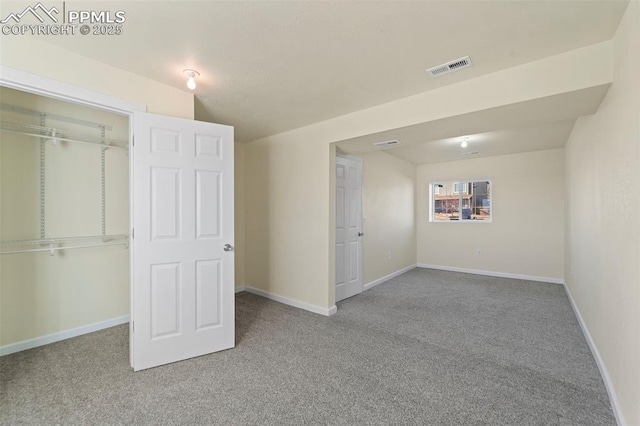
<point x="360" y="234"/>
<point x="228" y="247"/>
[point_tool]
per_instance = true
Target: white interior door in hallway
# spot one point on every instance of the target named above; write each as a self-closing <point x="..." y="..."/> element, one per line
<point x="183" y="261"/>
<point x="348" y="227"/>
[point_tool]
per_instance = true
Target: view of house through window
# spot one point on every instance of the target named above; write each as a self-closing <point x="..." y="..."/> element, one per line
<point x="460" y="201"/>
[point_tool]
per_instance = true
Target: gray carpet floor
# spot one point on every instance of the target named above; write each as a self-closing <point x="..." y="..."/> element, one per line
<point x="428" y="347"/>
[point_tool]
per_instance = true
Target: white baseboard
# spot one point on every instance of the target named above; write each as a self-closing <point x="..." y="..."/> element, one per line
<point x="61" y="335"/>
<point x="291" y="302"/>
<point x="388" y="277"/>
<point x="494" y="274"/>
<point x="615" y="405"/>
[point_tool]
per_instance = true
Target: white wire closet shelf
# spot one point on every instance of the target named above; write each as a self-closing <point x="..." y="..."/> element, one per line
<point x="62" y="243"/>
<point x="56" y="135"/>
<point x="47" y="135"/>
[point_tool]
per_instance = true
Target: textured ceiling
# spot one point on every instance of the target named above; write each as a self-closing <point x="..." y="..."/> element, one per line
<point x="269" y="67"/>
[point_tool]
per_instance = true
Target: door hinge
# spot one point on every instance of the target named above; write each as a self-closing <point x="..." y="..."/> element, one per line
<point x="133" y="141"/>
<point x="133" y="326"/>
<point x="133" y="233"/>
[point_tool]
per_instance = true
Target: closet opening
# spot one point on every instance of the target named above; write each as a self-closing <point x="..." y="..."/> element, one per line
<point x="96" y="230"/>
<point x="64" y="219"/>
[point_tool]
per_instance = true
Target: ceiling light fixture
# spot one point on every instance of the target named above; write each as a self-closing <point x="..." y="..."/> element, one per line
<point x="191" y="82"/>
<point x="464" y="143"/>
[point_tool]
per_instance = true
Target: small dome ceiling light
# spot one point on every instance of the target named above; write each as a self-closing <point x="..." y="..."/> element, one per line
<point x="465" y="143"/>
<point x="191" y="82"/>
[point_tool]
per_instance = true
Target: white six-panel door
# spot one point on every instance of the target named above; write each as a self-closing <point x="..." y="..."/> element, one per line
<point x="182" y="212"/>
<point x="348" y="227"/>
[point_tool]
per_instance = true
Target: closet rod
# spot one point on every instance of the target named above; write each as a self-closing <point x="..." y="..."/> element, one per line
<point x="52" y="249"/>
<point x="35" y="135"/>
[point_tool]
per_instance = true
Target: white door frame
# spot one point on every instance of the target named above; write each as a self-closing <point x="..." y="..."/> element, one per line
<point x="27" y="82"/>
<point x="361" y="254"/>
<point x="32" y="83"/>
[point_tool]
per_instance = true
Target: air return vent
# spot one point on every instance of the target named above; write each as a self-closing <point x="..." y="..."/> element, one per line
<point x="386" y="144"/>
<point x="464" y="154"/>
<point x="449" y="67"/>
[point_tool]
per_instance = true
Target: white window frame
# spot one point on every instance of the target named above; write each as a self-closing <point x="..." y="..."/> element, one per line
<point x="466" y="182"/>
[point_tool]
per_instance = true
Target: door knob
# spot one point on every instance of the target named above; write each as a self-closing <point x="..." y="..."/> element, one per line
<point x="228" y="247"/>
<point x="360" y="234"/>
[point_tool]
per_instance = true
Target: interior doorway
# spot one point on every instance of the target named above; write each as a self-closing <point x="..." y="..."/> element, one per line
<point x="64" y="224"/>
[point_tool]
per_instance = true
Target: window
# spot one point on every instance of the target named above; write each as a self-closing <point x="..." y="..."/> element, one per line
<point x="460" y="201"/>
<point x="456" y="187"/>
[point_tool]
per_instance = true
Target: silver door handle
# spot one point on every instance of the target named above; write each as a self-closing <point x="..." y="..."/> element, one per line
<point x="228" y="247"/>
<point x="360" y="234"/>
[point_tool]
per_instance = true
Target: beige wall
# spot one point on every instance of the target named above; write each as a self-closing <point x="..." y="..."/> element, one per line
<point x="33" y="56"/>
<point x="287" y="219"/>
<point x="42" y="294"/>
<point x="526" y="236"/>
<point x="603" y="220"/>
<point x="388" y="208"/>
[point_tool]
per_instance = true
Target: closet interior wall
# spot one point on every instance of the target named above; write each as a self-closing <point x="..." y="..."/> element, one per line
<point x="43" y="292"/>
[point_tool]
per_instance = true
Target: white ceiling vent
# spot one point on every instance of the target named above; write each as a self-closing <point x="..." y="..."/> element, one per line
<point x="449" y="67"/>
<point x="386" y="144"/>
<point x="464" y="154"/>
